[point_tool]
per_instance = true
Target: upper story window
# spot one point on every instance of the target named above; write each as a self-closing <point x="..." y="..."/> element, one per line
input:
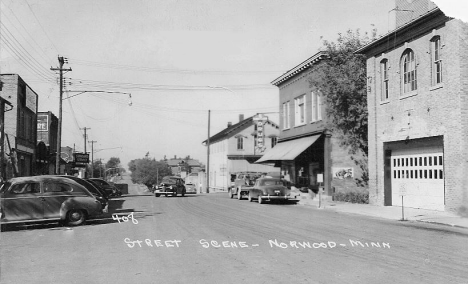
<point x="240" y="143"/>
<point x="408" y="71"/>
<point x="274" y="141"/>
<point x="384" y="79"/>
<point x="300" y="110"/>
<point x="286" y="123"/>
<point x="436" y="61"/>
<point x="316" y="106"/>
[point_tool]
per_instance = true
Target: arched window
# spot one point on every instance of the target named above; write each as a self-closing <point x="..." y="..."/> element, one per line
<point x="384" y="79"/>
<point x="408" y="71"/>
<point x="436" y="61"/>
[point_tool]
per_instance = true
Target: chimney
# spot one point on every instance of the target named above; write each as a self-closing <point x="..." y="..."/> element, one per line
<point x="229" y="124"/>
<point x="241" y="117"/>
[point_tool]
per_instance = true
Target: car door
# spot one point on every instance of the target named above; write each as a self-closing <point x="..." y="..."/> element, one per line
<point x="55" y="194"/>
<point x="23" y="201"/>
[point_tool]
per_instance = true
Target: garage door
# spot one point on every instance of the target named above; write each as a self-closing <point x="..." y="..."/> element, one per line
<point x="418" y="175"/>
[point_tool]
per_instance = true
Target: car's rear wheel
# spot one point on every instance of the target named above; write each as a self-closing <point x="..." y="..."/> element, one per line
<point x="76" y="217"/>
<point x="260" y="200"/>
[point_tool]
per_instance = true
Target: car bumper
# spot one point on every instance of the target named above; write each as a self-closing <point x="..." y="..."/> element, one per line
<point x="275" y="197"/>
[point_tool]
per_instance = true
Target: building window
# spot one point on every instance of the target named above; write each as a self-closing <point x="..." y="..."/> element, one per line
<point x="384" y="79"/>
<point x="240" y="143"/>
<point x="436" y="61"/>
<point x="316" y="106"/>
<point x="300" y="110"/>
<point x="409" y="71"/>
<point x="274" y="140"/>
<point x="286" y="123"/>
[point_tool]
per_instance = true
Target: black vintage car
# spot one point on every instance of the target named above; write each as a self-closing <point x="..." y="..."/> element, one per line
<point x="170" y="186"/>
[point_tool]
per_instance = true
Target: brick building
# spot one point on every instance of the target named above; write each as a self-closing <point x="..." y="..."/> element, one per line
<point x="418" y="110"/>
<point x="20" y="122"/>
<point x="307" y="152"/>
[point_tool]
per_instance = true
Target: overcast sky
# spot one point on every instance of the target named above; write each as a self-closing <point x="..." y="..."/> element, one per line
<point x="178" y="59"/>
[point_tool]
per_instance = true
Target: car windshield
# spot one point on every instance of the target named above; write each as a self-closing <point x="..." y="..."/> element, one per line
<point x="169" y="180"/>
<point x="271" y="182"/>
<point x="4" y="187"/>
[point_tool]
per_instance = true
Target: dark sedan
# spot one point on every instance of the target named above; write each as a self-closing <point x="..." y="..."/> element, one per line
<point x="266" y="189"/>
<point x="170" y="186"/>
<point x="47" y="198"/>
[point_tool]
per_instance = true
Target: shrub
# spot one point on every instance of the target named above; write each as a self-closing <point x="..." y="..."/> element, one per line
<point x="352" y="197"/>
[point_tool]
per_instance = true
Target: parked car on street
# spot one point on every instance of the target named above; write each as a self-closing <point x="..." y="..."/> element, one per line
<point x="111" y="190"/>
<point x="190" y="188"/>
<point x="241" y="182"/>
<point x="47" y="198"/>
<point x="267" y="189"/>
<point x="99" y="193"/>
<point x="170" y="186"/>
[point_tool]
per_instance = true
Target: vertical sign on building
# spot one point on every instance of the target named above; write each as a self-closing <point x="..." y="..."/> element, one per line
<point x="260" y="120"/>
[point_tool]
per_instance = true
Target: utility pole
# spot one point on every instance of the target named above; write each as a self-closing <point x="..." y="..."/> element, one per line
<point x="61" y="61"/>
<point x="208" y="156"/>
<point x="85" y="136"/>
<point x="92" y="157"/>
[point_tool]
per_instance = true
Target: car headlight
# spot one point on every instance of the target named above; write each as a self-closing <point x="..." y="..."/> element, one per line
<point x="170" y="187"/>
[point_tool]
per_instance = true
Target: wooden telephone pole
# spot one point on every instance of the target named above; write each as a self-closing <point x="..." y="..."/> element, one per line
<point x="61" y="61"/>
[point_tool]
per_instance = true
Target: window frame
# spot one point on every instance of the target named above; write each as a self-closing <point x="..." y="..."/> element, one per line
<point x="286" y="116"/>
<point x="300" y="110"/>
<point x="436" y="61"/>
<point x="408" y="70"/>
<point x="384" y="81"/>
<point x="316" y="106"/>
<point x="240" y="143"/>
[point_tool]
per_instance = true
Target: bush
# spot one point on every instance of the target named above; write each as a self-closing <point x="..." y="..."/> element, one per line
<point x="352" y="196"/>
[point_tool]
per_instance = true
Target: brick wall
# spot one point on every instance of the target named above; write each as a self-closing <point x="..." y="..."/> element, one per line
<point x="434" y="110"/>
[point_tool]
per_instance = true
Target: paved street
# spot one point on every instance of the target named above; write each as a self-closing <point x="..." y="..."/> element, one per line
<point x="211" y="238"/>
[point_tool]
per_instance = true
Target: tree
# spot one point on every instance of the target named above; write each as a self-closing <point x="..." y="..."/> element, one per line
<point x="113" y="162"/>
<point x="148" y="171"/>
<point x="342" y="80"/>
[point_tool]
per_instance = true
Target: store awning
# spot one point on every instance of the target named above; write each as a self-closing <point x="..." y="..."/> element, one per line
<point x="288" y="150"/>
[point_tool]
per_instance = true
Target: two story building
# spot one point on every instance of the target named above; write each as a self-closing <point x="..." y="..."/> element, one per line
<point x="237" y="147"/>
<point x="20" y="123"/>
<point x="47" y="130"/>
<point x="418" y="110"/>
<point x="307" y="152"/>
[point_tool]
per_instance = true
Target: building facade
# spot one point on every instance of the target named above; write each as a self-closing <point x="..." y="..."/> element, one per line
<point x="418" y="111"/>
<point x="307" y="152"/>
<point x="20" y="124"/>
<point x="237" y="147"/>
<point x="47" y="131"/>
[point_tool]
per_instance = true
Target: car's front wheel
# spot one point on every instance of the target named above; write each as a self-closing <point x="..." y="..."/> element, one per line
<point x="76" y="217"/>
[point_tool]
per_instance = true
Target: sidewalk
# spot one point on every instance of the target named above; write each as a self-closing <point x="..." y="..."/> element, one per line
<point x="388" y="212"/>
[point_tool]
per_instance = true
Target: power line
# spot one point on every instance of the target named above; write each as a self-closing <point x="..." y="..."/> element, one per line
<point x="39" y="23"/>
<point x="163" y="70"/>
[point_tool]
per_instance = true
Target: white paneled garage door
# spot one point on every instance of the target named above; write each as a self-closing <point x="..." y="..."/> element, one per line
<point x="418" y="175"/>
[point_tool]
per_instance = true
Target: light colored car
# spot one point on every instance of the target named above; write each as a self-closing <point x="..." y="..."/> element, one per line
<point x="190" y="188"/>
<point x="267" y="189"/>
<point x="46" y="198"/>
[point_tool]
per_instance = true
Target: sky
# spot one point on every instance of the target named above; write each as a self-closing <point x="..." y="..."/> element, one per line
<point x="176" y="59"/>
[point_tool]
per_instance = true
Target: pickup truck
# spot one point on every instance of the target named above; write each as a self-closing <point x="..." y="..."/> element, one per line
<point x="241" y="183"/>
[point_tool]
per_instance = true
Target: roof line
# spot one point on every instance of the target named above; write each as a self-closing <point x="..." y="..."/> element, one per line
<point x="300" y="67"/>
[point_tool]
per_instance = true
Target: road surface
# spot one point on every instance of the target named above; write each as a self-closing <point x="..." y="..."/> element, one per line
<point x="211" y="238"/>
